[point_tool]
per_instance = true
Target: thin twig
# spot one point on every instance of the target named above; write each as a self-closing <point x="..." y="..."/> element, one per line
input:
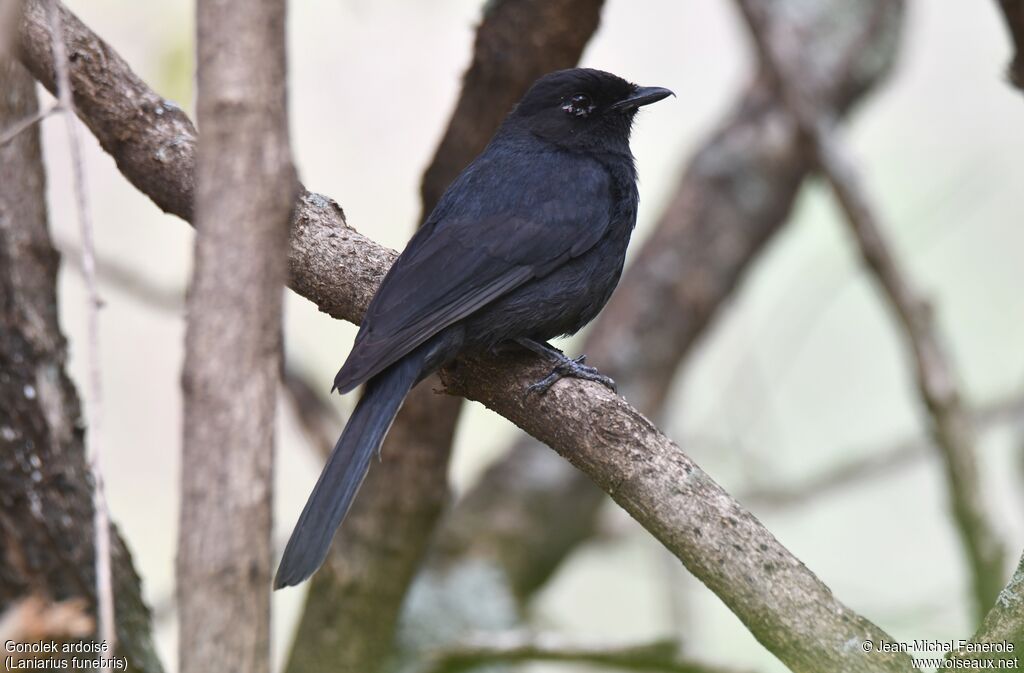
<point x="878" y="462"/>
<point x="951" y="425"/>
<point x="517" y="647"/>
<point x="101" y="523"/>
<point x="27" y="123"/>
<point x="318" y="419"/>
<point x="125" y="278"/>
<point x="1003" y="628"/>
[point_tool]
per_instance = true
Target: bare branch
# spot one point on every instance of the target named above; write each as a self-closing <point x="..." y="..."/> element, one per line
<point x="246" y="186"/>
<point x="1003" y="624"/>
<point x="1013" y="12"/>
<point x="784" y="605"/>
<point x="127" y="279"/>
<point x="359" y="592"/>
<point x="318" y="419"/>
<point x="530" y="509"/>
<point x="875" y="463"/>
<point x="27" y="123"/>
<point x="94" y="406"/>
<point x="47" y="512"/>
<point x="661" y="656"/>
<point x="951" y="426"/>
<point x="137" y="127"/>
<point x="316" y="415"/>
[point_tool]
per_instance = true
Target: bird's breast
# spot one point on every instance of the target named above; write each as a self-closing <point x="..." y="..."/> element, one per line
<point x="559" y="303"/>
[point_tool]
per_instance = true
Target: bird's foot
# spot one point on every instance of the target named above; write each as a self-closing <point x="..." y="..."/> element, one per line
<point x="571" y="368"/>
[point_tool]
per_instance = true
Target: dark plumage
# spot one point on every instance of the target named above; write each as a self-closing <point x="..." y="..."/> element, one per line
<point x="527" y="244"/>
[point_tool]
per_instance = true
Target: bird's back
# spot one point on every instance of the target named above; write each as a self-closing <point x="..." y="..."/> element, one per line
<point x="570" y="295"/>
<point x="524" y="209"/>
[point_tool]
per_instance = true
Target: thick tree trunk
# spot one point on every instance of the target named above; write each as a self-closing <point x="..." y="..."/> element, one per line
<point x="245" y="186"/>
<point x="46" y="504"/>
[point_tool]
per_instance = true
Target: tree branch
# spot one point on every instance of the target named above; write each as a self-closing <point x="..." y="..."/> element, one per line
<point x="354" y="602"/>
<point x="1003" y="624"/>
<point x="94" y="406"/>
<point x="128" y="279"/>
<point x="19" y="126"/>
<point x="246" y="186"/>
<point x="47" y="542"/>
<point x="951" y="426"/>
<point x="878" y="462"/>
<point x="530" y="510"/>
<point x="660" y="656"/>
<point x="320" y="421"/>
<point x="784" y="605"/>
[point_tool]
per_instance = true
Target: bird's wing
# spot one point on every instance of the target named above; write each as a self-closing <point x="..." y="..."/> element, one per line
<point x="474" y="249"/>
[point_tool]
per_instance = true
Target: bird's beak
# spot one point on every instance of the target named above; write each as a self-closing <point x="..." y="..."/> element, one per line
<point x="644" y="95"/>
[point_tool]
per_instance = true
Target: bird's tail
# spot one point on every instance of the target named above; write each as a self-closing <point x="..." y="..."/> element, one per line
<point x="347" y="466"/>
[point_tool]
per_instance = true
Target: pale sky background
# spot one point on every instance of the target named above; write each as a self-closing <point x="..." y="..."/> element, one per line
<point x="802" y="370"/>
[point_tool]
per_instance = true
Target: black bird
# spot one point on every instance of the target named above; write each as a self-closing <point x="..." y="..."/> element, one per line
<point x="526" y="244"/>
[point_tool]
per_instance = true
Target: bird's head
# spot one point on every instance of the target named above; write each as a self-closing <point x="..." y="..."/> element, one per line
<point x="583" y="108"/>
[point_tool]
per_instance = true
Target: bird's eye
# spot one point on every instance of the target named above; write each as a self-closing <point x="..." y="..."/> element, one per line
<point x="578" y="105"/>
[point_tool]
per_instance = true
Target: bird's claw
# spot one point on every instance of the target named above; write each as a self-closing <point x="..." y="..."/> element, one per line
<point x="572" y="369"/>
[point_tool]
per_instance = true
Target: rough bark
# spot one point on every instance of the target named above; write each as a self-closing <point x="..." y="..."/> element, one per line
<point x="793" y="614"/>
<point x="786" y="607"/>
<point x="1003" y="624"/>
<point x="354" y="602"/>
<point x="245" y="189"/>
<point x="46" y="518"/>
<point x="1013" y="12"/>
<point x="137" y="127"/>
